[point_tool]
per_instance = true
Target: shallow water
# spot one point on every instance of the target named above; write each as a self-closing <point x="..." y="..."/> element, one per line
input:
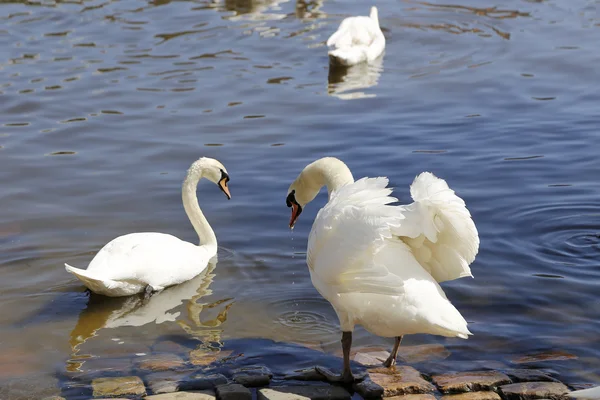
<point x="106" y="103"/>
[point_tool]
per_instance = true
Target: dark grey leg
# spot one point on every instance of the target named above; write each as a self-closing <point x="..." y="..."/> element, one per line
<point x="391" y="361"/>
<point x="346" y="346"/>
<point x="148" y="292"/>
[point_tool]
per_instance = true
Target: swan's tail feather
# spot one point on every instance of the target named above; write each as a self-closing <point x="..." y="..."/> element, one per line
<point x="591" y="393"/>
<point x="96" y="284"/>
<point x="347" y="56"/>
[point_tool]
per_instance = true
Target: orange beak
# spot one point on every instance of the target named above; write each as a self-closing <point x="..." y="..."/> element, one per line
<point x="296" y="210"/>
<point x="224" y="188"/>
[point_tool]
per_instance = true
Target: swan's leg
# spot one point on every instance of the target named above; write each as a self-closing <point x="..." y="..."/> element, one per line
<point x="346" y="376"/>
<point x="346" y="346"/>
<point x="391" y="360"/>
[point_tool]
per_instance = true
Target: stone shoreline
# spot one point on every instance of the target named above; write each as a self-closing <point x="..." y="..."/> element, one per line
<point x="168" y="376"/>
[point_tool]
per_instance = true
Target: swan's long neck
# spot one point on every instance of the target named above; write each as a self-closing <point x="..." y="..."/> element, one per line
<point x="190" y="202"/>
<point x="327" y="171"/>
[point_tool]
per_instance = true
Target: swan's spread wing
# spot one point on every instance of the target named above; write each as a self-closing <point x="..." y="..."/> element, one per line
<point x="439" y="229"/>
<point x="349" y="231"/>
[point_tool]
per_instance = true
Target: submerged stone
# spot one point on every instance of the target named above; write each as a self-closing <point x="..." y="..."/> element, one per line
<point x="202" y="382"/>
<point x="529" y="375"/>
<point x="553" y="355"/>
<point x="161" y="362"/>
<point x="252" y="376"/>
<point x="303" y="393"/>
<point x="534" y="390"/>
<point x="115" y="387"/>
<point x="233" y="391"/>
<point x="402" y="380"/>
<point x="470" y="381"/>
<point x="423" y="352"/>
<point x="204" y="357"/>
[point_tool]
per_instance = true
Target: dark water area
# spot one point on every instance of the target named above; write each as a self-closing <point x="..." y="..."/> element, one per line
<point x="107" y="103"/>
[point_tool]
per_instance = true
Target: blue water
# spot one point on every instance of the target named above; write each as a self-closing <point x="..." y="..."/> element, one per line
<point x="106" y="103"/>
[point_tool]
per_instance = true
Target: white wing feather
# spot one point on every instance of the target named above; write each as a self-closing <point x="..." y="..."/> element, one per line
<point x="439" y="229"/>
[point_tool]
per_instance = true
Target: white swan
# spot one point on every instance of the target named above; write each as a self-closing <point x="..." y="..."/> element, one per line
<point x="591" y="393"/>
<point x="379" y="265"/>
<point x="358" y="39"/>
<point x="151" y="261"/>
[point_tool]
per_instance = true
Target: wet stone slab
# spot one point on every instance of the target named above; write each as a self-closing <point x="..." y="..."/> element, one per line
<point x="303" y="393"/>
<point x="307" y="374"/>
<point x="368" y="389"/>
<point x="486" y="395"/>
<point x="233" y="391"/>
<point x="423" y="352"/>
<point x="161" y="362"/>
<point x="412" y="397"/>
<point x="206" y="395"/>
<point x="402" y="380"/>
<point x="116" y="387"/>
<point x="470" y="381"/>
<point x="534" y="390"/>
<point x="254" y="376"/>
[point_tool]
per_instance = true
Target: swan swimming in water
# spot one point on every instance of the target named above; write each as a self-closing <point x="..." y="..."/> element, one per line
<point x="379" y="265"/>
<point x="358" y="39"/>
<point x="152" y="261"/>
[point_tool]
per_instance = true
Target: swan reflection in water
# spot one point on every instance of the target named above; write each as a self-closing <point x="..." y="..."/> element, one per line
<point x="346" y="82"/>
<point x="115" y="312"/>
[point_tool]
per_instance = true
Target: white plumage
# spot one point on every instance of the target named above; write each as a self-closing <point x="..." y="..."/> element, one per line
<point x="591" y="393"/>
<point x="378" y="264"/>
<point x="358" y="39"/>
<point x="137" y="262"/>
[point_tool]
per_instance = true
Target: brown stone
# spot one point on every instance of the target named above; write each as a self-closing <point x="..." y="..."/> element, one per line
<point x="161" y="362"/>
<point x="423" y="352"/>
<point x="115" y="387"/>
<point x="554" y="355"/>
<point x="368" y="389"/>
<point x="402" y="380"/>
<point x="204" y="357"/>
<point x="412" y="397"/>
<point x="371" y="358"/>
<point x="534" y="390"/>
<point x="472" y="396"/>
<point x="470" y="381"/>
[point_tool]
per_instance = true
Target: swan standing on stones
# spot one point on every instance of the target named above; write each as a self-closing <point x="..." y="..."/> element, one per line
<point x="358" y="39"/>
<point x="379" y="265"/>
<point x="151" y="261"/>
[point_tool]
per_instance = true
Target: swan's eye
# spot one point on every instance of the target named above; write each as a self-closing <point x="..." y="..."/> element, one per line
<point x="291" y="199"/>
<point x="225" y="176"/>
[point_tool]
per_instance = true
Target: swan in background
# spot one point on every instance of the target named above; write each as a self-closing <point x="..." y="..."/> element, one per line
<point x="379" y="265"/>
<point x="591" y="393"/>
<point x="152" y="261"/>
<point x="358" y="39"/>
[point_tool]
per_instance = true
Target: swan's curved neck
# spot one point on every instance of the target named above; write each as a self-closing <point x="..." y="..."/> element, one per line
<point x="327" y="171"/>
<point x="190" y="202"/>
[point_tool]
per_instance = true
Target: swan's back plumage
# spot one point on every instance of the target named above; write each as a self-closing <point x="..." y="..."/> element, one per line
<point x="358" y="39"/>
<point x="363" y="262"/>
<point x="129" y="263"/>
